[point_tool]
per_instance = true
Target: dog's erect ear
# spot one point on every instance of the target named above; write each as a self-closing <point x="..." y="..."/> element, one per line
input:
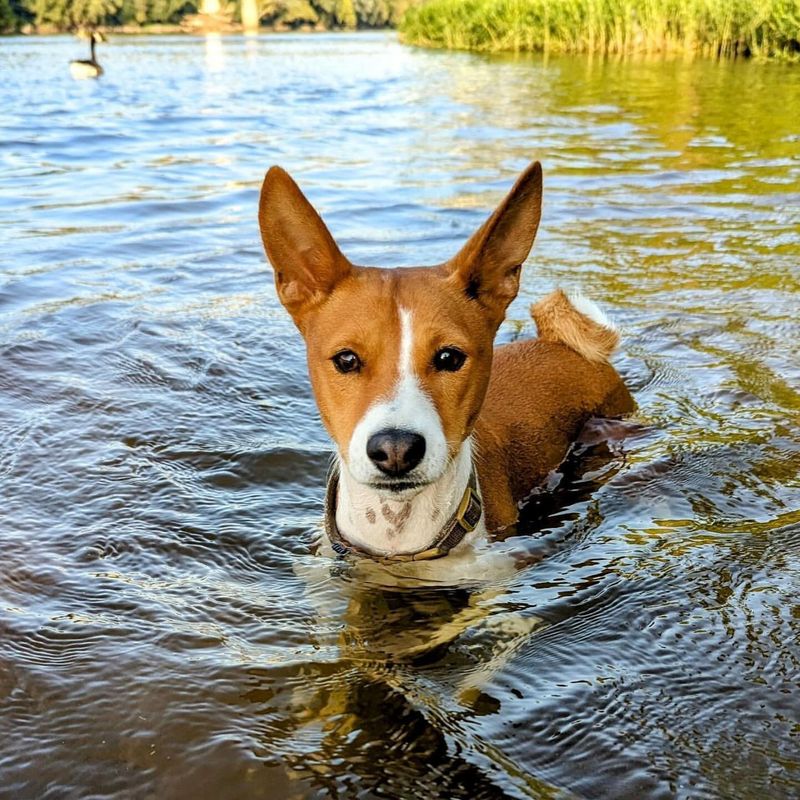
<point x="487" y="268"/>
<point x="303" y="254"/>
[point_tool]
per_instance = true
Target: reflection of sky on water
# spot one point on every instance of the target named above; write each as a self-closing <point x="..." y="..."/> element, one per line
<point x="215" y="53"/>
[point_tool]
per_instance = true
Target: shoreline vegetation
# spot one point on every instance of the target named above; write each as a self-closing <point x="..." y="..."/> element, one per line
<point x="763" y="29"/>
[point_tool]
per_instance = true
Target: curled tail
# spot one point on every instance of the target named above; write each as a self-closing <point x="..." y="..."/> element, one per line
<point x="577" y="322"/>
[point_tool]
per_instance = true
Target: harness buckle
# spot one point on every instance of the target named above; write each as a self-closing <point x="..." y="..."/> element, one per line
<point x="466" y="501"/>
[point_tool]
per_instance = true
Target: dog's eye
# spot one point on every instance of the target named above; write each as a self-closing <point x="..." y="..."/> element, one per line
<point x="346" y="361"/>
<point x="449" y="359"/>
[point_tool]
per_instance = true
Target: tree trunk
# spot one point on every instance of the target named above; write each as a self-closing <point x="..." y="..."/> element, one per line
<point x="250" y="15"/>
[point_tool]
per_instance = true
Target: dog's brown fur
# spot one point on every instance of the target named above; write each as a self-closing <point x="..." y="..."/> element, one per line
<point x="541" y="393"/>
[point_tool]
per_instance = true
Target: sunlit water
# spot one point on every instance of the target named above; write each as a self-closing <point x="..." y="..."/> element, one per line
<point x="168" y="631"/>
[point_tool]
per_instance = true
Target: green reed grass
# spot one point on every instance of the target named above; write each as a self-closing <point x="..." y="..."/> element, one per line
<point x="759" y="28"/>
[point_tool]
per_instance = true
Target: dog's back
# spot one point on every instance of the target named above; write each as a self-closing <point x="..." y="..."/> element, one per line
<point x="541" y="393"/>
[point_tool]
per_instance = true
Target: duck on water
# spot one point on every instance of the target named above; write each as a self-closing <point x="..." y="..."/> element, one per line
<point x="88" y="68"/>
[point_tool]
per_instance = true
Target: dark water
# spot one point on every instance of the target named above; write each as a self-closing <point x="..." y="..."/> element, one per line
<point x="167" y="630"/>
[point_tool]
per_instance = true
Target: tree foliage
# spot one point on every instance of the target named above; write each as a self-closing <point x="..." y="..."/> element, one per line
<point x="67" y="15"/>
<point x="72" y="14"/>
<point x="8" y="19"/>
<point x="334" y="13"/>
<point x="142" y="12"/>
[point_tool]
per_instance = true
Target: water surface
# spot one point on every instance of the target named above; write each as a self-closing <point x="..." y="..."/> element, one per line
<point x="168" y="631"/>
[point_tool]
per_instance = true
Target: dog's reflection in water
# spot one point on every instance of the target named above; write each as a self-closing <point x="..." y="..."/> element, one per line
<point x="406" y="671"/>
<point x="436" y="643"/>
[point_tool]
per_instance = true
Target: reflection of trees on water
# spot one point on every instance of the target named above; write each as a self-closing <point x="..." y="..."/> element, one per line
<point x="681" y="137"/>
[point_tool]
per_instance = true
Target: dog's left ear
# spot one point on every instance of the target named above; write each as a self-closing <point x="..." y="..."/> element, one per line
<point x="487" y="268"/>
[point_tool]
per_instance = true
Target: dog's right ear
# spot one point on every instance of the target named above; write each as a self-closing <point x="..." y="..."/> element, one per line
<point x="303" y="254"/>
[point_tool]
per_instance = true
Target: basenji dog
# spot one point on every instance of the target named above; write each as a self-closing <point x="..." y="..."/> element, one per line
<point x="440" y="436"/>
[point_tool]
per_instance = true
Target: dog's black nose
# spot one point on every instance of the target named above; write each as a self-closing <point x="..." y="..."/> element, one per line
<point x="395" y="452"/>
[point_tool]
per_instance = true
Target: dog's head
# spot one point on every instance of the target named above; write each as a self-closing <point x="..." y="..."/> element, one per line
<point x="399" y="359"/>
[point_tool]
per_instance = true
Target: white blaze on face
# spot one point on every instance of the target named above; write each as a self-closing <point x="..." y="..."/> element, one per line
<point x="408" y="409"/>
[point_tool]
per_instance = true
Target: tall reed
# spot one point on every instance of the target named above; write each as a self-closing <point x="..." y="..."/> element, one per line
<point x="760" y="28"/>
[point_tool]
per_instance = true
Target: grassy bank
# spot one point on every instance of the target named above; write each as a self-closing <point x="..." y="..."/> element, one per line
<point x="759" y="28"/>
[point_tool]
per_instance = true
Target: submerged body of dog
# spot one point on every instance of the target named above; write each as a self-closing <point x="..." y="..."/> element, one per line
<point x="439" y="435"/>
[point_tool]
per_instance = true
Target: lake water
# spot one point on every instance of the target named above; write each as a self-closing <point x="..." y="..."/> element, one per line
<point x="166" y="628"/>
